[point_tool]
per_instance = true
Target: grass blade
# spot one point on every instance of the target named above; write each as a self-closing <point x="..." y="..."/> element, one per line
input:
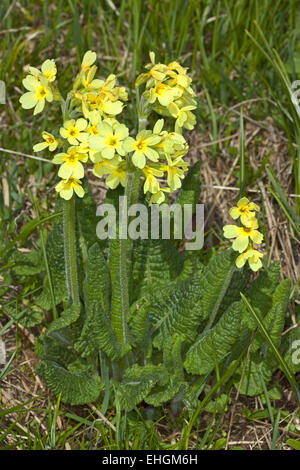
<point x="290" y="377"/>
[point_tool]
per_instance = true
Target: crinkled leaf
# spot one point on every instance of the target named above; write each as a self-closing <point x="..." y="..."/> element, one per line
<point x="137" y="384"/>
<point x="76" y="388"/>
<point x="214" y="345"/>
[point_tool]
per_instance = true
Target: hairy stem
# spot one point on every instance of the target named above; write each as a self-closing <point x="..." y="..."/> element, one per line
<point x="131" y="194"/>
<point x="70" y="250"/>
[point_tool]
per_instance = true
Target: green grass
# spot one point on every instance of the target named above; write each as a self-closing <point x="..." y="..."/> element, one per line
<point x="237" y="51"/>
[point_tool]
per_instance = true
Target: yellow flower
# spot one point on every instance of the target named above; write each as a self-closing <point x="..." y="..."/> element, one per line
<point x="175" y="168"/>
<point x="71" y="163"/>
<point x="110" y="139"/>
<point x="242" y="235"/>
<point x="105" y="166"/>
<point x="88" y="59"/>
<point x="49" y="141"/>
<point x="105" y="97"/>
<point x="88" y="80"/>
<point x="116" y="177"/>
<point x="72" y="131"/>
<point x="244" y="210"/>
<point x="159" y="197"/>
<point x="111" y="108"/>
<point x="39" y="91"/>
<point x="151" y="184"/>
<point x="171" y="142"/>
<point x="178" y="75"/>
<point x="49" y="69"/>
<point x="252" y="256"/>
<point x="65" y="188"/>
<point x="114" y="168"/>
<point x="157" y="72"/>
<point x="142" y="147"/>
<point x="163" y="93"/>
<point x="94" y="119"/>
<point x="184" y="117"/>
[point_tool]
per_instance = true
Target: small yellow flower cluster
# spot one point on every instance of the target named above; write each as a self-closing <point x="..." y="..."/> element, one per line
<point x="169" y="92"/>
<point x="93" y="94"/>
<point x="92" y="133"/>
<point x="246" y="234"/>
<point x="39" y="84"/>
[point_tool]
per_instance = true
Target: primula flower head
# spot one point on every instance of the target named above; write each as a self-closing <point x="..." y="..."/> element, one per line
<point x="142" y="146"/>
<point x="114" y="168"/>
<point x="163" y="93"/>
<point x="49" y="69"/>
<point x="110" y="139"/>
<point x="252" y="256"/>
<point x="242" y="235"/>
<point x="65" y="188"/>
<point x="88" y="59"/>
<point x="151" y="184"/>
<point x="73" y="131"/>
<point x="175" y="169"/>
<point x="91" y="127"/>
<point x="245" y="235"/>
<point x="159" y="197"/>
<point x="71" y="163"/>
<point x="49" y="141"/>
<point x="245" y="210"/>
<point x="184" y="117"/>
<point x="39" y="91"/>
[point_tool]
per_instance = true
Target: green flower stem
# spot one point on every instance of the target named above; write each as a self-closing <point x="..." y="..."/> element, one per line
<point x="70" y="250"/>
<point x="131" y="193"/>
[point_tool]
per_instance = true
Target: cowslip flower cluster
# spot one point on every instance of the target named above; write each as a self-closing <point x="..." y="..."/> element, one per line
<point x="246" y="234"/>
<point x="40" y="86"/>
<point x="91" y="132"/>
<point x="169" y="92"/>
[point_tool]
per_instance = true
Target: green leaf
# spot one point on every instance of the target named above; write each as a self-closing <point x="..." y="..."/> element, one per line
<point x="27" y="264"/>
<point x="137" y="383"/>
<point x="139" y="324"/>
<point x="172" y="356"/>
<point x="97" y="332"/>
<point x="218" y="405"/>
<point x="255" y="369"/>
<point x="56" y="261"/>
<point x="163" y="393"/>
<point x="294" y="443"/>
<point x="220" y="284"/>
<point x="69" y="315"/>
<point x="261" y="359"/>
<point x="178" y="311"/>
<point x="190" y="190"/>
<point x="260" y="293"/>
<point x="155" y="264"/>
<point x="87" y="217"/>
<point x="214" y="345"/>
<point x="97" y="280"/>
<point x="28" y="317"/>
<point x="76" y="388"/>
<point x="273" y="349"/>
